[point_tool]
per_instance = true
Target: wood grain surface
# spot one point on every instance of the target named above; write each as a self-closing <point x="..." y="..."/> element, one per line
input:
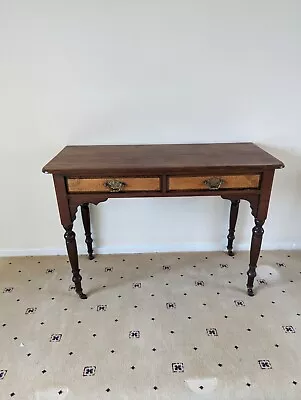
<point x="199" y="182"/>
<point x="165" y="158"/>
<point x="83" y="185"/>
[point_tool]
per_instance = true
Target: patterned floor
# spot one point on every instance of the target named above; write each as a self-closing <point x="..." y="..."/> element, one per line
<point x="155" y="326"/>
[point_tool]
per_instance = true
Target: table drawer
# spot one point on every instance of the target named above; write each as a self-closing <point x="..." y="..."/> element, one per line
<point x="213" y="182"/>
<point x="113" y="185"/>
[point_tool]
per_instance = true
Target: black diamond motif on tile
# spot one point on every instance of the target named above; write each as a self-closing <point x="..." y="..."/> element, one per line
<point x="108" y="269"/>
<point x="102" y="307"/>
<point x="134" y="334"/>
<point x="31" y="310"/>
<point x="211" y="332"/>
<point x="262" y="282"/>
<point x="3" y="372"/>
<point x="170" y="305"/>
<point x="239" y="303"/>
<point x="265" y="364"/>
<point x="50" y="270"/>
<point x="281" y="265"/>
<point x="288" y="329"/>
<point x="136" y="285"/>
<point x="55" y="337"/>
<point x="177" y="367"/>
<point x="166" y="267"/>
<point x="89" y="371"/>
<point x="224" y="265"/>
<point x="8" y="290"/>
<point x="199" y="283"/>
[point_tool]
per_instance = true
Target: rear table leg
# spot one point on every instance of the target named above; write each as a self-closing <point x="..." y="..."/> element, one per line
<point x="87" y="227"/>
<point x="232" y="224"/>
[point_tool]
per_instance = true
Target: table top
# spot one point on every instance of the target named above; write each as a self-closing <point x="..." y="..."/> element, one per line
<point x="160" y="158"/>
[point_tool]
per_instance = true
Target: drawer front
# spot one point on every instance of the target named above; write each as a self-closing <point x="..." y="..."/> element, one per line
<point x="113" y="185"/>
<point x="214" y="182"/>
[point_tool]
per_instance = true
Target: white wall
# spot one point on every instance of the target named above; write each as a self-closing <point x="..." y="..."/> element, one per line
<point x="126" y="71"/>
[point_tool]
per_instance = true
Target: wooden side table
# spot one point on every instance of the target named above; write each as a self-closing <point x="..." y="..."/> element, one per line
<point x="92" y="174"/>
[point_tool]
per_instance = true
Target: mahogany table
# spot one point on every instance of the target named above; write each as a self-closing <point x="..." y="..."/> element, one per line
<point x="92" y="174"/>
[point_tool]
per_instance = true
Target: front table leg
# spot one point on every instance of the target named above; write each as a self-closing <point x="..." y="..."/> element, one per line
<point x="73" y="258"/>
<point x="259" y="208"/>
<point x="254" y="254"/>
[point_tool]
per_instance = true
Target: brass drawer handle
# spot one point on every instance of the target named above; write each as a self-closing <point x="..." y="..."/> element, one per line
<point x="114" y="185"/>
<point x="214" y="183"/>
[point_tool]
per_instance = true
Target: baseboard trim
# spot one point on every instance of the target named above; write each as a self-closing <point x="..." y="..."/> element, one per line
<point x="172" y="248"/>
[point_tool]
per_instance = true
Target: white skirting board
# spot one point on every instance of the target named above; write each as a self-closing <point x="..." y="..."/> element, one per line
<point x="187" y="247"/>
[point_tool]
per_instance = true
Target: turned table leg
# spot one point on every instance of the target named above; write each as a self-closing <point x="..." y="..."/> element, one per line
<point x="260" y="208"/>
<point x="232" y="224"/>
<point x="67" y="215"/>
<point x="254" y="254"/>
<point x="73" y="258"/>
<point x="87" y="227"/>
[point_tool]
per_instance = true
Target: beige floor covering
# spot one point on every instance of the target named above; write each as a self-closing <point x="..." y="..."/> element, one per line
<point x="155" y="326"/>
